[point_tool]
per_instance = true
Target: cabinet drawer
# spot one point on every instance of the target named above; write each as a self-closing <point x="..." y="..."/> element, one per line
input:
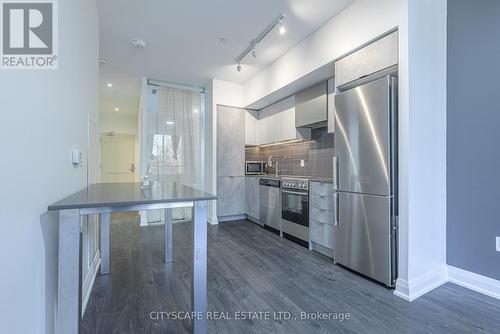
<point x="321" y="233"/>
<point x="322" y="189"/>
<point x="321" y="215"/>
<point x="321" y="202"/>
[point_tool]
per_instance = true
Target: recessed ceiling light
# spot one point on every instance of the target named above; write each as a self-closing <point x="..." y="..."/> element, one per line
<point x="138" y="43"/>
<point x="223" y="40"/>
<point x="169" y="122"/>
<point x="109" y="85"/>
<point x="117" y="109"/>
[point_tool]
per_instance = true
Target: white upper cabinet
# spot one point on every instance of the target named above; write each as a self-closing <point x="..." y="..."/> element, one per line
<point x="277" y="123"/>
<point x="251" y="128"/>
<point x="287" y="119"/>
<point x="262" y="133"/>
<point x="375" y="57"/>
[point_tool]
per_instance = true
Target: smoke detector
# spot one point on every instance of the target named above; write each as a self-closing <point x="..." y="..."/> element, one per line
<point x="138" y="43"/>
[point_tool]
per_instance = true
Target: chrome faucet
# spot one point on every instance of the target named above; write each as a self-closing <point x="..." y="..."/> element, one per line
<point x="270" y="164"/>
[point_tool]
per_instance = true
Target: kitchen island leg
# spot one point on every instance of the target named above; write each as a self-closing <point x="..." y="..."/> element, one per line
<point x="199" y="285"/>
<point x="168" y="235"/>
<point x="69" y="287"/>
<point x="105" y="220"/>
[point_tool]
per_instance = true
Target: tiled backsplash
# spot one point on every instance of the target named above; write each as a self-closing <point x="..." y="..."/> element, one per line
<point x="317" y="155"/>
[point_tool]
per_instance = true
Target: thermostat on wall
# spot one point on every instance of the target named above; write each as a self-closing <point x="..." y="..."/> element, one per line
<point x="77" y="158"/>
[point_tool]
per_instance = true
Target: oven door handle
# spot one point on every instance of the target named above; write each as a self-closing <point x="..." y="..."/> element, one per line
<point x="294" y="193"/>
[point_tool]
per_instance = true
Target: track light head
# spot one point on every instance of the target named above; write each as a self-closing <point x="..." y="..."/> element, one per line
<point x="254" y="53"/>
<point x="238" y="67"/>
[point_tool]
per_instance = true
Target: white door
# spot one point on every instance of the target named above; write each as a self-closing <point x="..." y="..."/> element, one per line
<point x="117" y="158"/>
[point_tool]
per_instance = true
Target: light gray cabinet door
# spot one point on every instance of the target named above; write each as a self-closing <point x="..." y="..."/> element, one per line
<point x="230" y="141"/>
<point x="321" y="233"/>
<point x="231" y="196"/>
<point x="311" y="105"/>
<point x="252" y="199"/>
<point x="373" y="58"/>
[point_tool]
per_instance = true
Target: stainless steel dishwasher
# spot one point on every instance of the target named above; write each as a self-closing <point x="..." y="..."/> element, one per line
<point x="270" y="204"/>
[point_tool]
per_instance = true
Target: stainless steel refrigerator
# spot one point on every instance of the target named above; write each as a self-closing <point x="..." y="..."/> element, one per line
<point x="365" y="179"/>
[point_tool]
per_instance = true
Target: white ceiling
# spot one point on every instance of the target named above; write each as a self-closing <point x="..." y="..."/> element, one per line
<point x="183" y="45"/>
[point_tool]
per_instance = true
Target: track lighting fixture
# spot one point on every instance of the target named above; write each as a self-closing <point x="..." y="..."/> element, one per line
<point x="282" y="29"/>
<point x="276" y="24"/>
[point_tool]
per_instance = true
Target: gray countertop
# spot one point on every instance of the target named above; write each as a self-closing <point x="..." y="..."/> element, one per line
<point x="127" y="194"/>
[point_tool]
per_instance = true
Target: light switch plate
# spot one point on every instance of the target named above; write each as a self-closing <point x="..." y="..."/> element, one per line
<point x="498" y="244"/>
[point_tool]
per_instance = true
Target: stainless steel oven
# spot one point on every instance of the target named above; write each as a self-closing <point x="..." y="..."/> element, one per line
<point x="295" y="210"/>
<point x="255" y="168"/>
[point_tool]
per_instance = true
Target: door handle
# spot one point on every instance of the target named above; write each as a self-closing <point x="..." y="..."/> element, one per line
<point x="132" y="168"/>
<point x="336" y="209"/>
<point x="335" y="173"/>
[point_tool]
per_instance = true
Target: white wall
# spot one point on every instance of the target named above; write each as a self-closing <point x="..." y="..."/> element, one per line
<point x="425" y="152"/>
<point x="44" y="114"/>
<point x="224" y="93"/>
<point x="121" y="124"/>
<point x="125" y="125"/>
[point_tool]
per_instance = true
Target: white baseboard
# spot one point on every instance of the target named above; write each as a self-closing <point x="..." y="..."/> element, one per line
<point x="213" y="221"/>
<point x="231" y="218"/>
<point x="88" y="283"/>
<point x="473" y="281"/>
<point x="411" y="290"/>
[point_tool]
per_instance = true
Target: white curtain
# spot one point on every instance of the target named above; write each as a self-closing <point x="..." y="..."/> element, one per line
<point x="174" y="142"/>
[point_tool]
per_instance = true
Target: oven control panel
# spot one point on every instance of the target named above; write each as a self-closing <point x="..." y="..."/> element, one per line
<point x="300" y="184"/>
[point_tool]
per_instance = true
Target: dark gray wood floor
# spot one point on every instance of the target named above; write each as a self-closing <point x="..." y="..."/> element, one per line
<point x="251" y="269"/>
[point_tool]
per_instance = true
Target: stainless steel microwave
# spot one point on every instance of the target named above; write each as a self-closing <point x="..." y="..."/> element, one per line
<point x="255" y="168"/>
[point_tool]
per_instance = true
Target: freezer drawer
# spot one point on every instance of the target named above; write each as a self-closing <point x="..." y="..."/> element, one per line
<point x="363" y="236"/>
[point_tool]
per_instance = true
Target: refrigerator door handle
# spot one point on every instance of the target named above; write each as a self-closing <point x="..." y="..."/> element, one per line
<point x="335" y="173"/>
<point x="336" y="209"/>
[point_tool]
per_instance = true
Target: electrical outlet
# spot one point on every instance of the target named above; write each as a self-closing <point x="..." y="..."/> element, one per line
<point x="498" y="244"/>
